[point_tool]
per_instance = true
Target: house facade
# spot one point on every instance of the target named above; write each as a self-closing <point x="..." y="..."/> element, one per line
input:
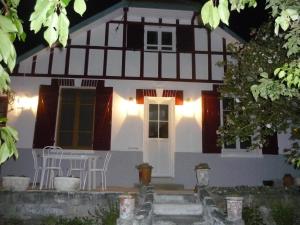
<point x="139" y="80"/>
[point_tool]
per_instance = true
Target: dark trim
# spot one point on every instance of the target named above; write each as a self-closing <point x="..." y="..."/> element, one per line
<point x="105" y="50"/>
<point x="193" y="53"/>
<point x="67" y="63"/>
<point x="193" y="18"/>
<point x="128" y="77"/>
<point x="142" y="56"/>
<point x="209" y="54"/>
<point x="124" y="42"/>
<point x="16" y="69"/>
<point x="177" y="58"/>
<point x="224" y="54"/>
<point x="87" y="53"/>
<point x="158" y="24"/>
<point x="33" y="65"/>
<point x="159" y="57"/>
<point x="124" y="48"/>
<point x="50" y="61"/>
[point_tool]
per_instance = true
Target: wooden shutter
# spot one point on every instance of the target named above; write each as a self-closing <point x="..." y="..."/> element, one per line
<point x="135" y="36"/>
<point x="185" y="38"/>
<point x="103" y="118"/>
<point x="271" y="147"/>
<point x="210" y="121"/>
<point x="44" y="132"/>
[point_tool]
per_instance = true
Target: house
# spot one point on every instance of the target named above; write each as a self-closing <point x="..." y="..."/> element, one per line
<point x="140" y="80"/>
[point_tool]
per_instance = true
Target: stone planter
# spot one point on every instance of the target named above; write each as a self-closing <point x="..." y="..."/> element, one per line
<point x="67" y="183"/>
<point x="13" y="183"/>
<point x="127" y="204"/>
<point x="145" y="171"/>
<point x="234" y="208"/>
<point x="202" y="175"/>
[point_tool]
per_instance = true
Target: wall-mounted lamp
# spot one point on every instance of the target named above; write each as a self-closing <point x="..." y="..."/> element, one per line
<point x="188" y="108"/>
<point x="132" y="108"/>
<point x="25" y="102"/>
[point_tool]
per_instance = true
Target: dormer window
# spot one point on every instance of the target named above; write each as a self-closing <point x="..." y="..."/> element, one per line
<point x="159" y="38"/>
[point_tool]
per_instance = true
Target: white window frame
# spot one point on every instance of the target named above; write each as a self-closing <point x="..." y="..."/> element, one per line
<point x="238" y="152"/>
<point x="159" y="30"/>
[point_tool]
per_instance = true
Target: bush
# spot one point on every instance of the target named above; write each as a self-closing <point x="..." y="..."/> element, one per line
<point x="67" y="221"/>
<point x="252" y="216"/>
<point x="283" y="213"/>
<point x="106" y="215"/>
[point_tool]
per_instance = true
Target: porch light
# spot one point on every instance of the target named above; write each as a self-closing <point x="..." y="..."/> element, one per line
<point x="188" y="108"/>
<point x="26" y="102"/>
<point x="132" y="108"/>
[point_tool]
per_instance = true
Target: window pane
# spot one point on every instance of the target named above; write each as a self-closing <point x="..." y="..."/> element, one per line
<point x="84" y="139"/>
<point x="86" y="117"/>
<point x="228" y="145"/>
<point x="166" y="48"/>
<point x="67" y="114"/>
<point x="152" y="37"/>
<point x="87" y="96"/>
<point x="68" y="95"/>
<point x="152" y="47"/>
<point x="65" y="139"/>
<point x="246" y="143"/>
<point x="163" y="113"/>
<point x="163" y="130"/>
<point x="153" y="129"/>
<point x="166" y="38"/>
<point x="153" y="112"/>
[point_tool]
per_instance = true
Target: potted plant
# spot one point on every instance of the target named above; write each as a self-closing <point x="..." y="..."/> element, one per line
<point x="15" y="183"/>
<point x="145" y="171"/>
<point x="201" y="171"/>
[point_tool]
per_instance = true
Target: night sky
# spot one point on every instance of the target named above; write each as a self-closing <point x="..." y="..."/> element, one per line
<point x="240" y="23"/>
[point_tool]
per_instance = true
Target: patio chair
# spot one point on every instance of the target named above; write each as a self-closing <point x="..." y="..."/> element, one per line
<point x="102" y="170"/>
<point x="78" y="164"/>
<point x="51" y="156"/>
<point x="36" y="167"/>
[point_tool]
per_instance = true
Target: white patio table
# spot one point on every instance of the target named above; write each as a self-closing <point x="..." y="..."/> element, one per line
<point x="69" y="154"/>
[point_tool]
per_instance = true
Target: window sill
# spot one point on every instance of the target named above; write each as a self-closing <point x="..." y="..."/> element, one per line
<point x="241" y="153"/>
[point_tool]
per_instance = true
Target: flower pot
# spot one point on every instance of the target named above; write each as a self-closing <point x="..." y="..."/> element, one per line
<point x="288" y="180"/>
<point x="234" y="208"/>
<point x="13" y="183"/>
<point x="145" y="171"/>
<point x="127" y="204"/>
<point x="202" y="175"/>
<point x="67" y="183"/>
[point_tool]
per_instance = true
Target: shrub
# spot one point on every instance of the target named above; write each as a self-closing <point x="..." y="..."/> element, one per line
<point x="283" y="213"/>
<point x="252" y="216"/>
<point x="106" y="215"/>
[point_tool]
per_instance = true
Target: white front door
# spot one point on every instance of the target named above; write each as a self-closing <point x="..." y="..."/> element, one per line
<point x="158" y="135"/>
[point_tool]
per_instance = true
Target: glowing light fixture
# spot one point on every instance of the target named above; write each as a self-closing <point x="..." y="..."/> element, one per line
<point x="26" y="103"/>
<point x="132" y="108"/>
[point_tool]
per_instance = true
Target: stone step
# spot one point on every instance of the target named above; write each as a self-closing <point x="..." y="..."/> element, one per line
<point x="178" y="220"/>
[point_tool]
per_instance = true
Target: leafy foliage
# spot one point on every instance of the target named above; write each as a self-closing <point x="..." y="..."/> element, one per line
<point x="258" y="117"/>
<point x="51" y="220"/>
<point x="283" y="213"/>
<point x="106" y="215"/>
<point x="252" y="216"/>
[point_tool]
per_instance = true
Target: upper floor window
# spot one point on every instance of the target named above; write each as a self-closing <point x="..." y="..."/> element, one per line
<point x="160" y="38"/>
<point x="76" y="118"/>
<point x="227" y="107"/>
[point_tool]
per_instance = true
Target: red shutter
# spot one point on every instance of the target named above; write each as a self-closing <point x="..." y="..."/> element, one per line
<point x="210" y="121"/>
<point x="103" y="118"/>
<point x="185" y="38"/>
<point x="135" y="36"/>
<point x="271" y="147"/>
<point x="46" y="116"/>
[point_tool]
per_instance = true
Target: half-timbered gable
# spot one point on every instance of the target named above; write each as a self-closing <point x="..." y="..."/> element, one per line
<point x="141" y="81"/>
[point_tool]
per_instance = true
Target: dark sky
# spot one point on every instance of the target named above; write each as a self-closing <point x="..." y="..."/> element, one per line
<point x="240" y="23"/>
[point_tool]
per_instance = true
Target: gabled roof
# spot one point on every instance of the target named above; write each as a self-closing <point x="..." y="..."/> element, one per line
<point x="185" y="5"/>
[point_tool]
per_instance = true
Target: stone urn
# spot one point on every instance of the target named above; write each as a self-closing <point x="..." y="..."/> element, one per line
<point x="15" y="183"/>
<point x="202" y="175"/>
<point x="127" y="204"/>
<point x="234" y="208"/>
<point x="67" y="183"/>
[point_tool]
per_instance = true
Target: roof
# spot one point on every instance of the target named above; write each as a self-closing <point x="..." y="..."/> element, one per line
<point x="186" y="5"/>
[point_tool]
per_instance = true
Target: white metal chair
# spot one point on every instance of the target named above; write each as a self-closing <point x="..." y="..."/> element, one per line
<point x="36" y="166"/>
<point x="78" y="164"/>
<point x="102" y="170"/>
<point x="51" y="156"/>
